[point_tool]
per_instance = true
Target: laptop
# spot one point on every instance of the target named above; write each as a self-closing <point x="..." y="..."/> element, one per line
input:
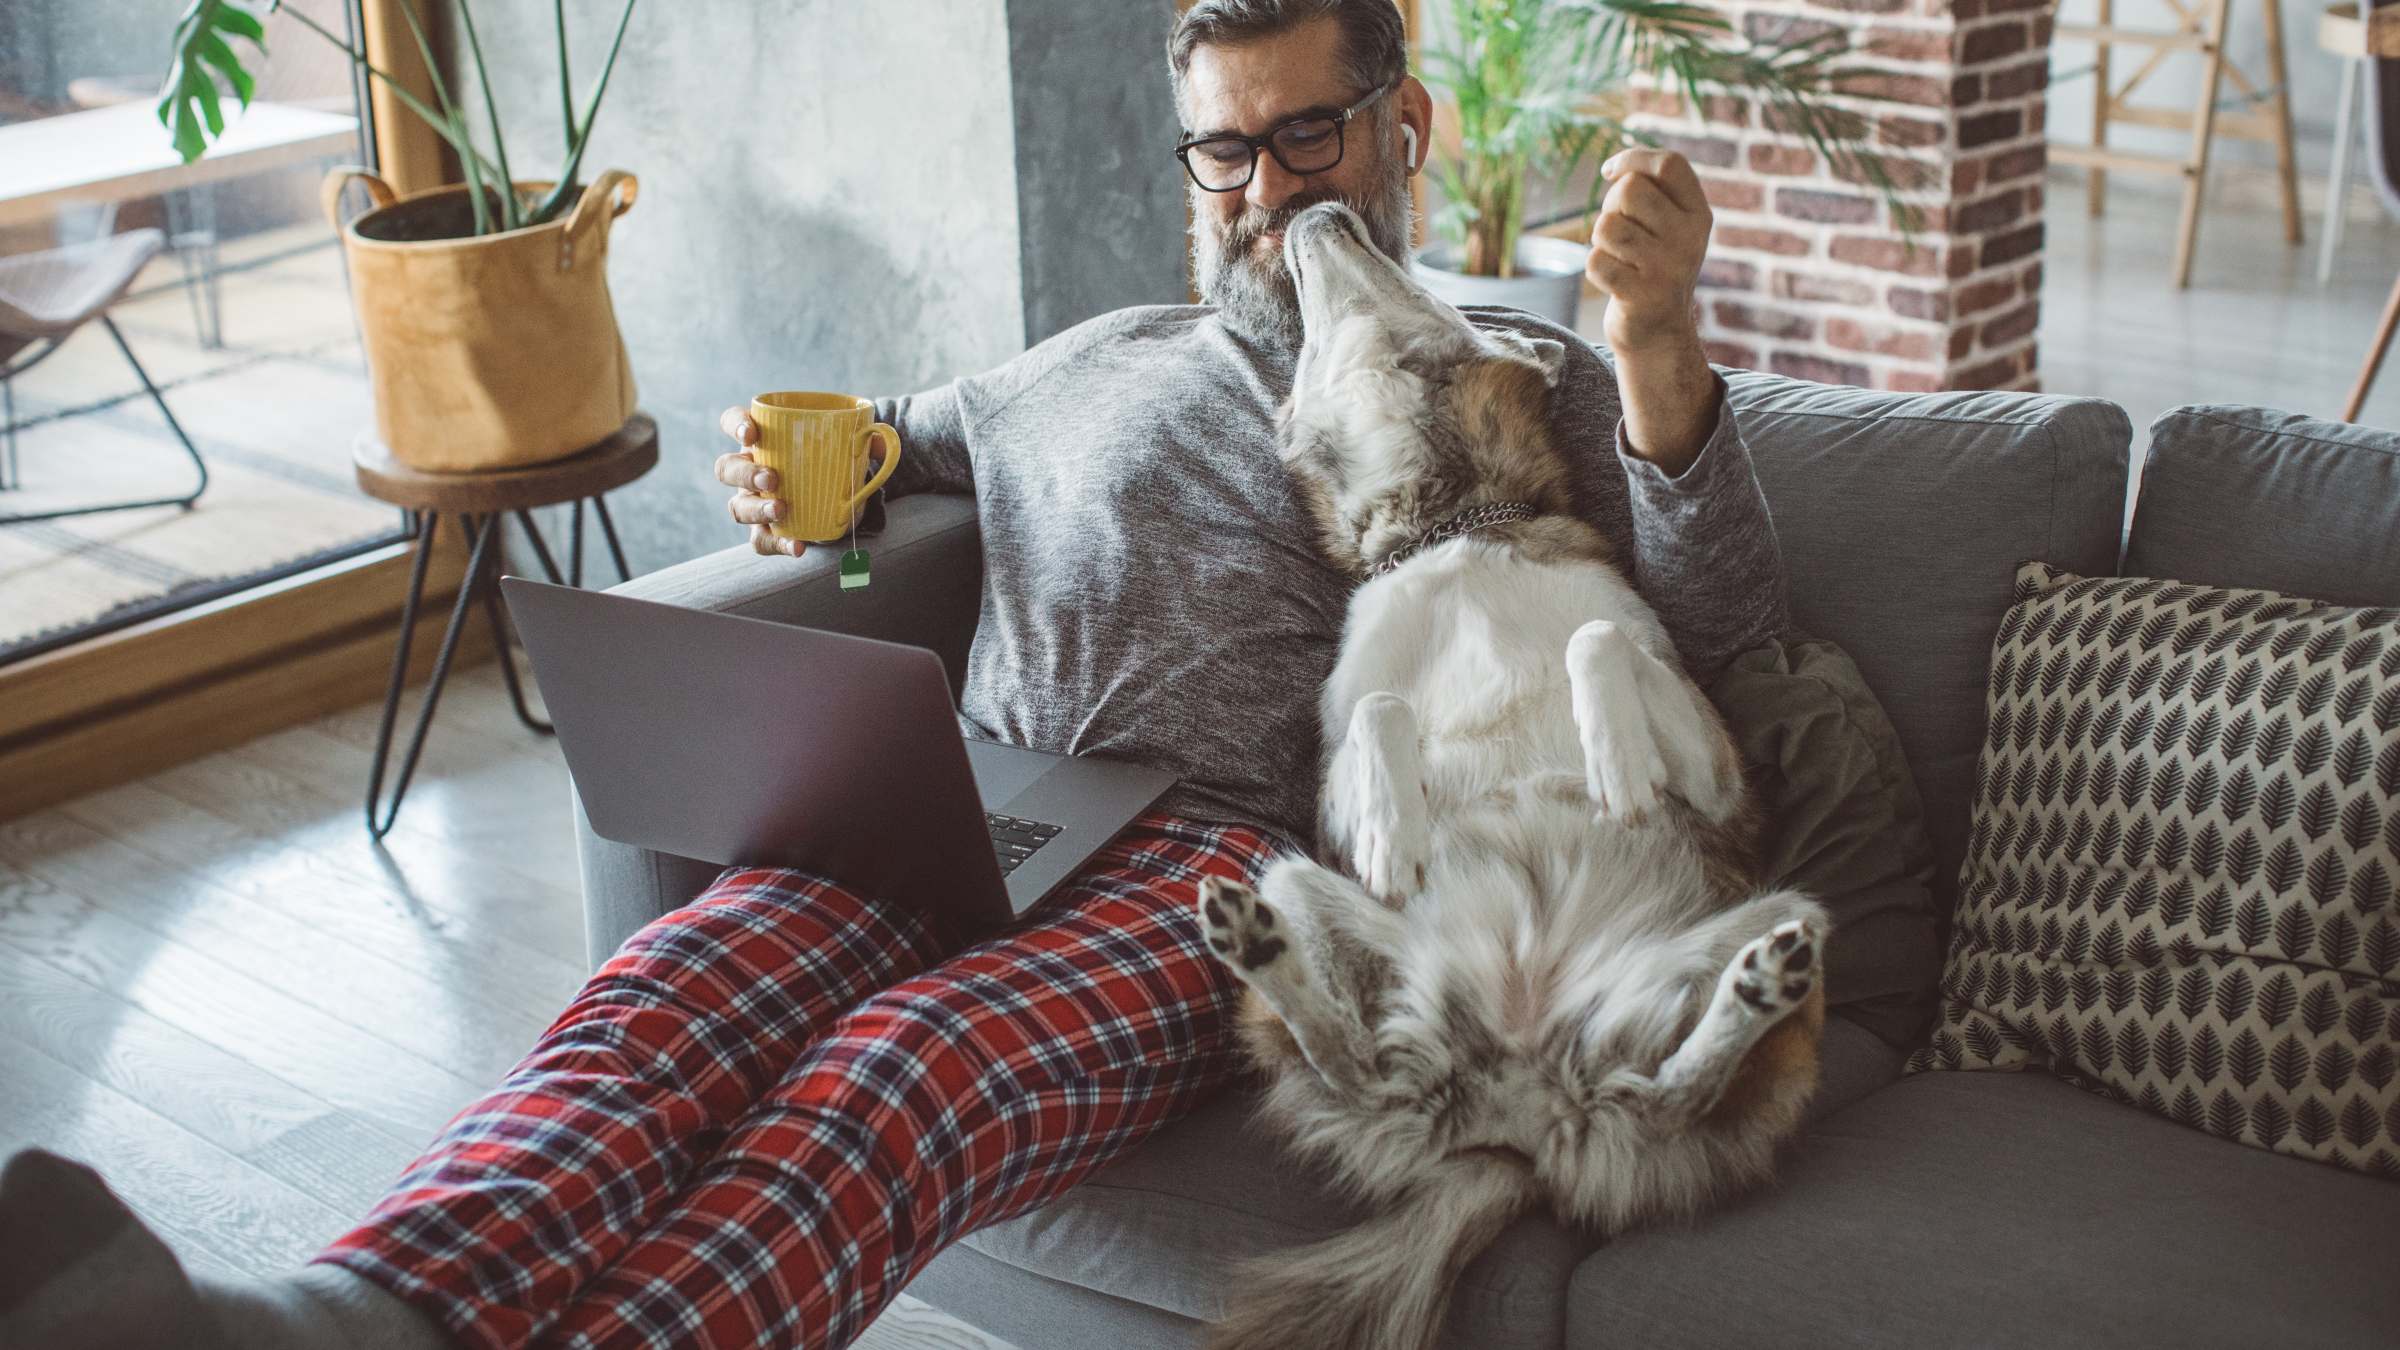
<point x="741" y="741"/>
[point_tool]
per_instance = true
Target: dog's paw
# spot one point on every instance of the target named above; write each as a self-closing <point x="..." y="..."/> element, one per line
<point x="1238" y="925"/>
<point x="1776" y="970"/>
<point x="1624" y="788"/>
<point x="1384" y="793"/>
<point x="1624" y="768"/>
<point x="1390" y="862"/>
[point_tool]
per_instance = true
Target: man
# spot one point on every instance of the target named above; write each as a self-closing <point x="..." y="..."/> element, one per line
<point x="774" y="1106"/>
<point x="1151" y="588"/>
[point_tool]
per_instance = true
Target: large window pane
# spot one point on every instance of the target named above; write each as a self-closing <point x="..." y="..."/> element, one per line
<point x="242" y="321"/>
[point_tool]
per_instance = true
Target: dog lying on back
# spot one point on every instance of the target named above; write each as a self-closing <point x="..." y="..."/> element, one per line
<point x="1549" y="977"/>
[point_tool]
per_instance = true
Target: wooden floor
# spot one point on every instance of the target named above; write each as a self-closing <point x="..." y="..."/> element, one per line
<point x="213" y="987"/>
<point x="2254" y="326"/>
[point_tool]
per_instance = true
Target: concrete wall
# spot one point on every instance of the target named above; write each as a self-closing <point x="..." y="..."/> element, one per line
<point x="869" y="198"/>
<point x="1100" y="201"/>
<point x="828" y="202"/>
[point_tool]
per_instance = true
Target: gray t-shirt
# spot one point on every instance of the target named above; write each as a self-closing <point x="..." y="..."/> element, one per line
<point x="1151" y="585"/>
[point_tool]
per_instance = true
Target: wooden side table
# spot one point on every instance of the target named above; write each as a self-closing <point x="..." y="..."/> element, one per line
<point x="480" y="504"/>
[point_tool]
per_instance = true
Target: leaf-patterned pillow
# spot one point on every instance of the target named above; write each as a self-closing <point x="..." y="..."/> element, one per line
<point x="2179" y="887"/>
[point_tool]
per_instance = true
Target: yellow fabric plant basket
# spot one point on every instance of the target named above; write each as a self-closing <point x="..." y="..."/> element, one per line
<point x="486" y="351"/>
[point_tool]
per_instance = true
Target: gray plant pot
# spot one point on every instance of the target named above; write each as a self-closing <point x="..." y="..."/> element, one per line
<point x="1549" y="279"/>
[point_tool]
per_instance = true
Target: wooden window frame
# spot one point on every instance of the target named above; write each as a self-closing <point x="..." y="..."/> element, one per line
<point x="408" y="155"/>
<point x="129" y="703"/>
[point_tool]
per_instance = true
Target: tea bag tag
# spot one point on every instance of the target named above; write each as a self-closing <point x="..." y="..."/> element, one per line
<point x="854" y="562"/>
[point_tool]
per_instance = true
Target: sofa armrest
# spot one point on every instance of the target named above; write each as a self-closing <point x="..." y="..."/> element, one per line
<point x="926" y="591"/>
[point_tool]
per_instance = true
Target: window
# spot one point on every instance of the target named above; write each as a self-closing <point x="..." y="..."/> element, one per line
<point x="240" y="319"/>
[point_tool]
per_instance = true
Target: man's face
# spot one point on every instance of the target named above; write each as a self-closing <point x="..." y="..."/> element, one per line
<point x="1237" y="237"/>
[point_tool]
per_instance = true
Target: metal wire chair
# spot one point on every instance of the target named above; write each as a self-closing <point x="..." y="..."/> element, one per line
<point x="44" y="298"/>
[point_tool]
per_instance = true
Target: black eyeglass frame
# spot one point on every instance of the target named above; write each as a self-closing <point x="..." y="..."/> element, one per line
<point x="1341" y="129"/>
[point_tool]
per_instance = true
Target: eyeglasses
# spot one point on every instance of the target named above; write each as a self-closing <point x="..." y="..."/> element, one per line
<point x="1304" y="145"/>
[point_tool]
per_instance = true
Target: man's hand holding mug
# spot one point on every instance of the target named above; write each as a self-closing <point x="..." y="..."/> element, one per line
<point x="804" y="471"/>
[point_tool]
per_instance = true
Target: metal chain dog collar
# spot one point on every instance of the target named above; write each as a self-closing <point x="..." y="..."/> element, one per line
<point x="1464" y="523"/>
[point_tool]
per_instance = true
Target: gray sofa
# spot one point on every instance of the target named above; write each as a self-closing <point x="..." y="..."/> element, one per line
<point x="1935" y="1210"/>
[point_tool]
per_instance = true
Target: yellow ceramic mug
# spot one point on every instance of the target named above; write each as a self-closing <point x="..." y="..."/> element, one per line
<point x="817" y="445"/>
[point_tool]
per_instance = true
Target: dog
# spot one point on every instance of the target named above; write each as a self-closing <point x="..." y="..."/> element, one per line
<point x="1549" y="974"/>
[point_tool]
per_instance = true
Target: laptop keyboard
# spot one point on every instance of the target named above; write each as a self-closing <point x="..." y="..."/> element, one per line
<point x="1015" y="839"/>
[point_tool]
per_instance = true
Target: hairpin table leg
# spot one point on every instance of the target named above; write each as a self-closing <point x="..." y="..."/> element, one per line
<point x="575" y="549"/>
<point x="609" y="528"/>
<point x="490" y="588"/>
<point x="541" y="547"/>
<point x="480" y="541"/>
<point x="8" y="437"/>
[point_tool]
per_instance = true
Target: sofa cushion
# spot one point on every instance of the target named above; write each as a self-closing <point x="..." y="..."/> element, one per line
<point x="1024" y="1309"/>
<point x="1158" y="1226"/>
<point x="2010" y="1210"/>
<point x="2235" y="496"/>
<point x="1843" y="821"/>
<point x="1902" y="519"/>
<point x="2183" y="859"/>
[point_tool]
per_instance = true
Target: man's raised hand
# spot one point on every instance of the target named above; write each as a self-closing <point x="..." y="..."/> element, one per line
<point x="1648" y="245"/>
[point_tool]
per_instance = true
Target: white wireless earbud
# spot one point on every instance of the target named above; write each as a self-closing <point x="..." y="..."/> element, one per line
<point x="1408" y="137"/>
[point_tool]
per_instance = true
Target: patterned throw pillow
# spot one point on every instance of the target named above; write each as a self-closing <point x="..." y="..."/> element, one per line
<point x="2179" y="888"/>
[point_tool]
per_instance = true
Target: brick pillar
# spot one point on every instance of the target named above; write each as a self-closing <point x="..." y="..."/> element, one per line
<point x="1809" y="275"/>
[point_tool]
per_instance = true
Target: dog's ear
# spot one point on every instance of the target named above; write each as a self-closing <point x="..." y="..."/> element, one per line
<point x="1547" y="353"/>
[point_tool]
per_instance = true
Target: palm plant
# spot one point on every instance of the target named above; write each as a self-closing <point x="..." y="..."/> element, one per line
<point x="190" y="105"/>
<point x="1540" y="84"/>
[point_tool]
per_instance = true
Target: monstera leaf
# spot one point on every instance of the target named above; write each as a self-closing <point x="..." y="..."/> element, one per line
<point x="204" y="43"/>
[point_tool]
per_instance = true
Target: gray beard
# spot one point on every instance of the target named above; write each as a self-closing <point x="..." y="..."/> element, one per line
<point x="1253" y="292"/>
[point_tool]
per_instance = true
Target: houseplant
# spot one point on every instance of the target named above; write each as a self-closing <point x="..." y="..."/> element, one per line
<point x="484" y="307"/>
<point x="1539" y="87"/>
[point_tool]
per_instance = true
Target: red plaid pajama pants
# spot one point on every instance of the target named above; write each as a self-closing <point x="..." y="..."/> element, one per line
<point x="773" y="1106"/>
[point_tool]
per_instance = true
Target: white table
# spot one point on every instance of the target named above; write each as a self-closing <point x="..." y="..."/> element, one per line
<point x="122" y="152"/>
